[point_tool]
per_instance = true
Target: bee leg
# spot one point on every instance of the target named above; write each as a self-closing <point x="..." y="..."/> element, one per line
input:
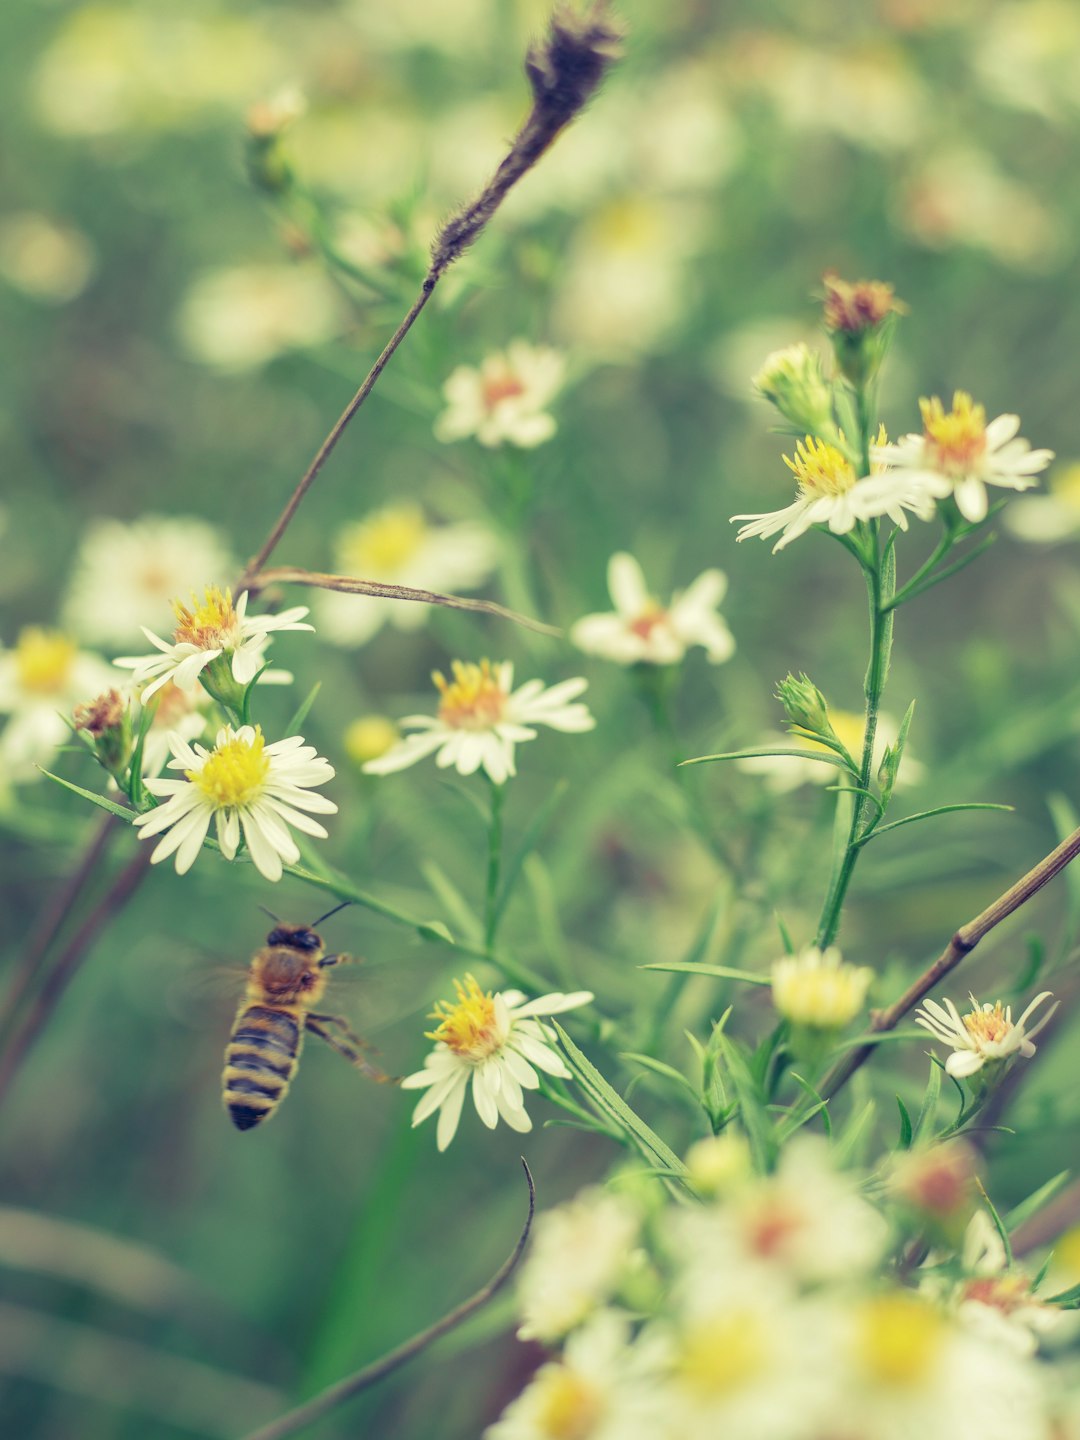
<point x="346" y="1043"/>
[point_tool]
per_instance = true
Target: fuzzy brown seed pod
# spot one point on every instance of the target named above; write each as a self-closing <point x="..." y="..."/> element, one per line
<point x="564" y="71"/>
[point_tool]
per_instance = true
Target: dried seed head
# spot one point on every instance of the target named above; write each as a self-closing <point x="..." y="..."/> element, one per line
<point x="565" y="69"/>
<point x="102" y="714"/>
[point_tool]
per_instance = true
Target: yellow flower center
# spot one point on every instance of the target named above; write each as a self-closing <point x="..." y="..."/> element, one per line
<point x="721" y="1356"/>
<point x="956" y="440"/>
<point x="43" y="661"/>
<point x="1067" y="1254"/>
<point x="820" y="469"/>
<point x="898" y="1339"/>
<point x="211" y="625"/>
<point x="234" y="774"/>
<point x="988" y="1026"/>
<point x="473" y="700"/>
<point x="470" y="1027"/>
<point x="568" y="1408"/>
<point x="381" y="545"/>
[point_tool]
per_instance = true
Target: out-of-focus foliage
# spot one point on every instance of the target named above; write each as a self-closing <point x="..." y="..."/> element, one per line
<point x="178" y="342"/>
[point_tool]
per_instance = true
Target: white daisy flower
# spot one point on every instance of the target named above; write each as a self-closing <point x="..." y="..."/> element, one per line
<point x="481" y="719"/>
<point x="42" y="678"/>
<point x="577" y="1256"/>
<point x="241" y="317"/>
<point x="494" y="1041"/>
<point x="127" y="573"/>
<point x="397" y="546"/>
<point x="242" y="785"/>
<point x="984" y="1036"/>
<point x="205" y="631"/>
<point x="818" y="990"/>
<point x="506" y="400"/>
<point x="959" y="454"/>
<point x="830" y="493"/>
<point x="642" y="631"/>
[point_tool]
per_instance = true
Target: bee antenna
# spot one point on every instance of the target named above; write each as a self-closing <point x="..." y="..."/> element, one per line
<point x="276" y="918"/>
<point x="334" y="911"/>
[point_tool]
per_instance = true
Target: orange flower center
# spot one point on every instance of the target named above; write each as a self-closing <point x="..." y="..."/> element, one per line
<point x="955" y="439"/>
<point x="498" y="386"/>
<point x="648" y="621"/>
<point x="474" y="699"/>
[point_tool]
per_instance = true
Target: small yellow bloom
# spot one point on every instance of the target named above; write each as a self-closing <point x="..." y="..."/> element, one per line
<point x="470" y="1027"/>
<point x="898" y="1339"/>
<point x="719" y="1164"/>
<point x="44" y="660"/>
<point x="820" y="469"/>
<point x="817" y="990"/>
<point x="955" y="439"/>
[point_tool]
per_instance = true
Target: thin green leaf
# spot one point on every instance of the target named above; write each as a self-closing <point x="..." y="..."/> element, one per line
<point x="825" y="759"/>
<point x="452" y="900"/>
<point x="658" y="1067"/>
<point x="615" y="1106"/>
<point x="303" y="710"/>
<point x="785" y="934"/>
<point x="907" y="1131"/>
<point x="910" y="591"/>
<point x="882" y="1037"/>
<point x="927" y="815"/>
<point x="999" y="1224"/>
<point x="531" y="838"/>
<point x="1035" y="1201"/>
<point x="845" y="1146"/>
<point x="755" y="1118"/>
<point x="123" y="811"/>
<point x="796" y="1122"/>
<point x="722" y="972"/>
<point x="930" y="1102"/>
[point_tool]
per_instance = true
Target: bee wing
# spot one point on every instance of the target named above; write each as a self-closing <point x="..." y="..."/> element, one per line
<point x="192" y="995"/>
<point x="376" y="994"/>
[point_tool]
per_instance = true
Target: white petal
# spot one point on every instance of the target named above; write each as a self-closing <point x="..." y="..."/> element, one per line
<point x="626" y="585"/>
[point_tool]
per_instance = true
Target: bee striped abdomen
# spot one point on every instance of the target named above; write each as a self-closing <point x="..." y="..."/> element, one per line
<point x="260" y="1060"/>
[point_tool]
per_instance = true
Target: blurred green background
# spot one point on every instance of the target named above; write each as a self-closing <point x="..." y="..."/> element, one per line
<point x="176" y="345"/>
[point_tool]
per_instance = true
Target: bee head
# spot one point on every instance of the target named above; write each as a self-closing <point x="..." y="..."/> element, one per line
<point x="295" y="937"/>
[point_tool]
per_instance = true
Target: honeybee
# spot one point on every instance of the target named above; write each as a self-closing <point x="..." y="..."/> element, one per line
<point x="285" y="982"/>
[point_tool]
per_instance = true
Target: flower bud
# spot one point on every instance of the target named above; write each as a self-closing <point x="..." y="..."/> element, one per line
<point x="805" y="705"/>
<point x="794" y="381"/>
<point x="938" y="1185"/>
<point x="369" y="737"/>
<point x="860" y="317"/>
<point x="107" y="721"/>
<point x="815" y="990"/>
<point x="720" y="1164"/>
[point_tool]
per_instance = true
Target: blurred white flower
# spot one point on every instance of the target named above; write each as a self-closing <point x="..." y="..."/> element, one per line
<point x="996" y="1300"/>
<point x="126" y="574"/>
<point x="494" y="1042"/>
<point x="205" y="631"/>
<point x="818" y="990"/>
<point x="806" y="1223"/>
<point x="242" y="317"/>
<point x="783" y="773"/>
<point x="641" y="630"/>
<point x="42" y="678"/>
<point x="578" y="1253"/>
<point x="987" y="1034"/>
<point x="506" y="400"/>
<point x="1051" y="517"/>
<point x="44" y="259"/>
<point x="958" y="196"/>
<point x="396" y="545"/>
<point x="905" y="1369"/>
<point x="481" y="719"/>
<point x="959" y="454"/>
<point x="830" y="493"/>
<point x="243" y="785"/>
<point x="603" y="1387"/>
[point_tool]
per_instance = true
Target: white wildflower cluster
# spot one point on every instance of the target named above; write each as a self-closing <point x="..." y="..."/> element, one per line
<point x="955" y="461"/>
<point x="773" y="1309"/>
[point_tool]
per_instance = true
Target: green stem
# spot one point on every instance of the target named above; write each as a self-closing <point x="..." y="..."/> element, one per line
<point x="881" y="585"/>
<point x="491" y="898"/>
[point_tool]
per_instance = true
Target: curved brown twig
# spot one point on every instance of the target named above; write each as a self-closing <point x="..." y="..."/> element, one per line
<point x="351" y="585"/>
<point x="344" y="1390"/>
